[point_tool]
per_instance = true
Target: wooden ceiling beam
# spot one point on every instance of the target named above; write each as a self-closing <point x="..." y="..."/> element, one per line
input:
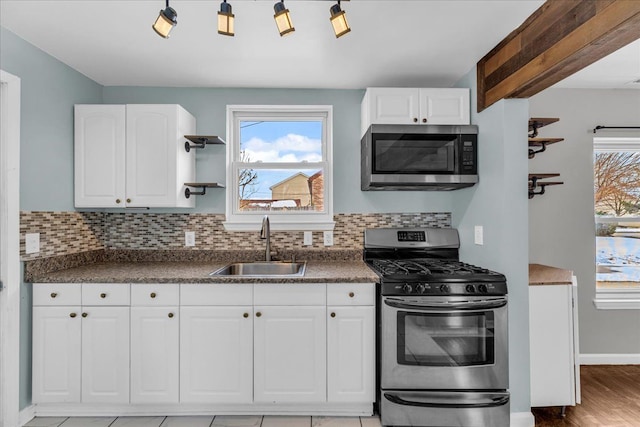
<point x="557" y="40"/>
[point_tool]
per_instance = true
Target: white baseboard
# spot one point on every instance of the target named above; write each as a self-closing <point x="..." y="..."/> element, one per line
<point x="610" y="359"/>
<point x="26" y="415"/>
<point x="522" y="419"/>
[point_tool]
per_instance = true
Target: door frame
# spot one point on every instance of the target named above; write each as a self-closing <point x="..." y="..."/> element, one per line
<point x="9" y="249"/>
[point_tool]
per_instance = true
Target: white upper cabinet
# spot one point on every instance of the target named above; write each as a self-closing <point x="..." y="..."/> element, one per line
<point x="100" y="138"/>
<point x="431" y="106"/>
<point x="132" y="156"/>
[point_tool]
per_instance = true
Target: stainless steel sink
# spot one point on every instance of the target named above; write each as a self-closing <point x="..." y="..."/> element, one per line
<point x="262" y="269"/>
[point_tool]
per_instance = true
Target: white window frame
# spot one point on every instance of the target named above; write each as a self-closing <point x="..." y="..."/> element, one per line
<point x="616" y="298"/>
<point x="283" y="221"/>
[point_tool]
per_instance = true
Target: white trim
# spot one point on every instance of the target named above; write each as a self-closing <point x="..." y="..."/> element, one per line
<point x="293" y="221"/>
<point x="616" y="144"/>
<point x="315" y="225"/>
<point x="616" y="219"/>
<point x="26" y="415"/>
<point x="610" y="359"/>
<point x="522" y="419"/>
<point x="617" y="299"/>
<point x="183" y="409"/>
<point x="617" y="304"/>
<point x="10" y="249"/>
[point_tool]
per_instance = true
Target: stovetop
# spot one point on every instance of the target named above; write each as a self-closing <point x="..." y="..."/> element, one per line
<point x="424" y="261"/>
<point x="436" y="277"/>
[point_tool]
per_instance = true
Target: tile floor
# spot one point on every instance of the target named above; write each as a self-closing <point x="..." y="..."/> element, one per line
<point x="206" y="421"/>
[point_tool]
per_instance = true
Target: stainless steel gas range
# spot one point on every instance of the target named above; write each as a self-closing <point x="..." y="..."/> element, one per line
<point x="443" y="349"/>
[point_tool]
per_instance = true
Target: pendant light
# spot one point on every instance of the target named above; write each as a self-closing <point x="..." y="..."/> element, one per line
<point x="339" y="20"/>
<point x="283" y="19"/>
<point x="167" y="19"/>
<point x="225" y="20"/>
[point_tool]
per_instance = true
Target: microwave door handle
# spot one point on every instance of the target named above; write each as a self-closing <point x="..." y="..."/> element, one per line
<point x="490" y="402"/>
<point x="452" y="305"/>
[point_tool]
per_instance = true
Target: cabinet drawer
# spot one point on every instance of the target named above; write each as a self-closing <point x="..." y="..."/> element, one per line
<point x="216" y="294"/>
<point x="351" y="294"/>
<point x="155" y="294"/>
<point x="290" y="294"/>
<point x="57" y="294"/>
<point x="105" y="294"/>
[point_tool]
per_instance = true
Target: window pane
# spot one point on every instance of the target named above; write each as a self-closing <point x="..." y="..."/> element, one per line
<point x="282" y="190"/>
<point x="617" y="206"/>
<point x="281" y="141"/>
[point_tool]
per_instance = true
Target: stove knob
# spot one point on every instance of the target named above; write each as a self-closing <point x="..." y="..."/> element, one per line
<point x="471" y="289"/>
<point x="482" y="288"/>
<point x="444" y="289"/>
<point x="406" y="288"/>
<point x="420" y="288"/>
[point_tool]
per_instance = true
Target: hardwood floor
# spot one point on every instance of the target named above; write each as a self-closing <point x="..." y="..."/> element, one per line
<point x="610" y="397"/>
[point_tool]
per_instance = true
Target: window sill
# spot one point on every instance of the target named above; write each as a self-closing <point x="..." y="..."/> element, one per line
<point x="617" y="299"/>
<point x="280" y="226"/>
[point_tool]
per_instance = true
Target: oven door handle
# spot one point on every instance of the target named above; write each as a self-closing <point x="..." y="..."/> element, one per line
<point x="451" y="305"/>
<point x="497" y="399"/>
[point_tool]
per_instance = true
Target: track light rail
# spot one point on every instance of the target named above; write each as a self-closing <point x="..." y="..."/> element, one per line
<point x="168" y="19"/>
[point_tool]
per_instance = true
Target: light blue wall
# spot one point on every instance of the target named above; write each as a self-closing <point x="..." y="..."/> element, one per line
<point x="49" y="89"/>
<point x="208" y="105"/>
<point x="499" y="203"/>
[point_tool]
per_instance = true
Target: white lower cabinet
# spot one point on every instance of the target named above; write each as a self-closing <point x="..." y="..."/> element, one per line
<point x="105" y="355"/>
<point x="80" y="352"/>
<point x="194" y="344"/>
<point x="56" y="354"/>
<point x="350" y="354"/>
<point x="553" y="335"/>
<point x="290" y="354"/>
<point x="216" y="361"/>
<point x="155" y="354"/>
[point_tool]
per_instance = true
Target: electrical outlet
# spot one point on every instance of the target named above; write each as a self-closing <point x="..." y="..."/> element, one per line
<point x="478" y="235"/>
<point x="308" y="238"/>
<point x="32" y="243"/>
<point x="328" y="238"/>
<point x="189" y="238"/>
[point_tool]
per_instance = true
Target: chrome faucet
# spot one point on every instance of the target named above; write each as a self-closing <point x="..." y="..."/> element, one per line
<point x="265" y="233"/>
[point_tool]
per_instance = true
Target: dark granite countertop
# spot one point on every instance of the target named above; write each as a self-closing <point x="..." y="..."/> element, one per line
<point x="153" y="268"/>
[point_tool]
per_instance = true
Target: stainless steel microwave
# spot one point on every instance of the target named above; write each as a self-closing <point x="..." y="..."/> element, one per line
<point x="419" y="157"/>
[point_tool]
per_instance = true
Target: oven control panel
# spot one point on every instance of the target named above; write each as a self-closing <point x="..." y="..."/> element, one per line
<point x="420" y="288"/>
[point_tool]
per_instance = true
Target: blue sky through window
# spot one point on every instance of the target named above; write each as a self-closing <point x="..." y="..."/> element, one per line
<point x="280" y="142"/>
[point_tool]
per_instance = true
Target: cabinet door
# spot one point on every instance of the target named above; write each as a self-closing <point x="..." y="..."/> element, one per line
<point x="394" y="105"/>
<point x="151" y="147"/>
<point x="99" y="156"/>
<point x="105" y="354"/>
<point x="216" y="360"/>
<point x="56" y="354"/>
<point x="290" y="354"/>
<point x="350" y="354"/>
<point x="448" y="106"/>
<point x="154" y="354"/>
<point x="551" y="340"/>
<point x="157" y="163"/>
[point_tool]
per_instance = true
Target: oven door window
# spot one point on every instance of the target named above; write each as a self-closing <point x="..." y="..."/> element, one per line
<point x="413" y="154"/>
<point x="445" y="339"/>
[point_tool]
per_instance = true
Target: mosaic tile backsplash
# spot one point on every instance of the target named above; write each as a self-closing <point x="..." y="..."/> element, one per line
<point x="65" y="233"/>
